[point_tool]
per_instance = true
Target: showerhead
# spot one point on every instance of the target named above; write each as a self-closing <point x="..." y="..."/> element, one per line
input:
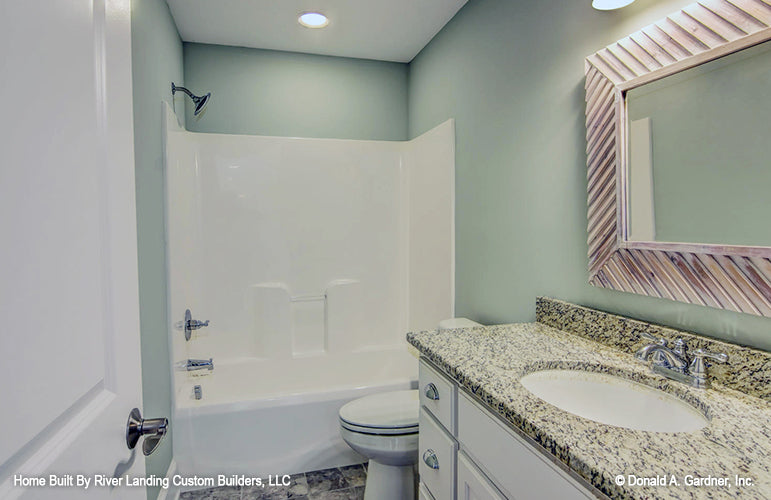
<point x="198" y="101"/>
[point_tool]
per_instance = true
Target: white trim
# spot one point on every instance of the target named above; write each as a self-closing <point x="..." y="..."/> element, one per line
<point x="453" y="248"/>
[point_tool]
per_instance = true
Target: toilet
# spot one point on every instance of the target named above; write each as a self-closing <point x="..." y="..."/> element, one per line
<point x="384" y="428"/>
<point x="449" y="324"/>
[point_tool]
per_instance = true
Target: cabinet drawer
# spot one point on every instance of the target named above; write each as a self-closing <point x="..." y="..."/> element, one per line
<point x="435" y="445"/>
<point x="423" y="493"/>
<point x="438" y="395"/>
<point x="472" y="483"/>
<point x="521" y="471"/>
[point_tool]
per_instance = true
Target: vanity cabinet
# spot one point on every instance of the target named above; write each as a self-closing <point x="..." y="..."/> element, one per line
<point x="472" y="483"/>
<point x="466" y="453"/>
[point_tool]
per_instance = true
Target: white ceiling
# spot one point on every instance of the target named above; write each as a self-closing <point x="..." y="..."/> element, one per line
<point x="387" y="30"/>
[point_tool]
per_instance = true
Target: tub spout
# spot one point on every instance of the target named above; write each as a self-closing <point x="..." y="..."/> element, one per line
<point x="199" y="364"/>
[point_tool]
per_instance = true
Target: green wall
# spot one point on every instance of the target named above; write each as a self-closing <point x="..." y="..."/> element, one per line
<point x="267" y="92"/>
<point x="157" y="61"/>
<point x="511" y="73"/>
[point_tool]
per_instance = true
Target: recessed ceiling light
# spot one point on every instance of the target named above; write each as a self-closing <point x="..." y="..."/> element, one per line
<point x="313" y="20"/>
<point x="610" y="4"/>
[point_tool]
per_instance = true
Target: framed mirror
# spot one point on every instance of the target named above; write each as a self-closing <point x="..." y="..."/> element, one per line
<point x="678" y="119"/>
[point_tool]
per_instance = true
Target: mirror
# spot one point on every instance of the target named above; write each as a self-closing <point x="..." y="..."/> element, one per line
<point x="699" y="153"/>
<point x="687" y="221"/>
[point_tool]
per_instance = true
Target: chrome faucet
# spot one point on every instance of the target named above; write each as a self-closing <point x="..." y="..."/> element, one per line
<point x="675" y="363"/>
<point x="663" y="356"/>
<point x="199" y="364"/>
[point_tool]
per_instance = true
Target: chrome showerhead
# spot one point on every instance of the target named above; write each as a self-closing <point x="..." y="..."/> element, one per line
<point x="198" y="101"/>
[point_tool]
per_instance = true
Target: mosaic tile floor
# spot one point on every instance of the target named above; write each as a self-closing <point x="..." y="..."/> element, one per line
<point x="342" y="483"/>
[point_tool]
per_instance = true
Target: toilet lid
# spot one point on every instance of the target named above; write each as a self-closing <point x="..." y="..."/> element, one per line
<point x="397" y="410"/>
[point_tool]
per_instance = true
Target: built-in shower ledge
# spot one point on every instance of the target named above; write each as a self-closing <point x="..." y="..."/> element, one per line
<point x="488" y="363"/>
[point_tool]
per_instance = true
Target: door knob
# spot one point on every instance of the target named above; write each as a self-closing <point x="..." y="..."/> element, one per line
<point x="153" y="429"/>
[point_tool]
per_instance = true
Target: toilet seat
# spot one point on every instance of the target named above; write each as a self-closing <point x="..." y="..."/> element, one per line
<point x="388" y="413"/>
<point x="378" y="431"/>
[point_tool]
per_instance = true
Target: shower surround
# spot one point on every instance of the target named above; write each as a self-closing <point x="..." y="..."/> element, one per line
<point x="311" y="258"/>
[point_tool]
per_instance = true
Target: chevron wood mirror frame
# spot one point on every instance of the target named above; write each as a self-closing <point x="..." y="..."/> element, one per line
<point x="737" y="278"/>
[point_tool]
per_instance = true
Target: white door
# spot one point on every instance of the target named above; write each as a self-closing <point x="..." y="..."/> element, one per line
<point x="69" y="328"/>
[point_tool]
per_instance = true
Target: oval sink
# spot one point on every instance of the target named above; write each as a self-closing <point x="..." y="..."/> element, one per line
<point x="614" y="401"/>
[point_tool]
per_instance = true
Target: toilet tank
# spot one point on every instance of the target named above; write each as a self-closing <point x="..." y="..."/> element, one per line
<point x="449" y="324"/>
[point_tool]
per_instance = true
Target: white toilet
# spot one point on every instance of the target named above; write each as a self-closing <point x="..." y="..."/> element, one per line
<point x="384" y="428"/>
<point x="449" y="324"/>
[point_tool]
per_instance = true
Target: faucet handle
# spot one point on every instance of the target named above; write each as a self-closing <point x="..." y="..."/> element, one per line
<point x="190" y="324"/>
<point x="720" y="357"/>
<point x="658" y="340"/>
<point x="681" y="348"/>
<point x="698" y="369"/>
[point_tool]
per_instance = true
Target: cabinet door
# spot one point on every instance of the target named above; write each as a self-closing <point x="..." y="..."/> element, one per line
<point x="472" y="484"/>
<point x="520" y="470"/>
<point x="423" y="493"/>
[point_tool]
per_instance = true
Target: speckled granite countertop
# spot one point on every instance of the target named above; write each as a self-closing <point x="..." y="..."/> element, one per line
<point x="488" y="363"/>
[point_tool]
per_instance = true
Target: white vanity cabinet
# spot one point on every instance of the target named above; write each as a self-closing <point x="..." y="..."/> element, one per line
<point x="472" y="483"/>
<point x="466" y="453"/>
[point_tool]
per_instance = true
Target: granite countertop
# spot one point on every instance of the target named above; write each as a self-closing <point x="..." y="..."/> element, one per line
<point x="488" y="362"/>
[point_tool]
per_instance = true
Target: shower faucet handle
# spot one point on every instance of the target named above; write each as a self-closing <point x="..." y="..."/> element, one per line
<point x="195" y="324"/>
<point x="191" y="324"/>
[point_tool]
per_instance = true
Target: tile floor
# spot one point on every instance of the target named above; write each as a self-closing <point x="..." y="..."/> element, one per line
<point x="341" y="483"/>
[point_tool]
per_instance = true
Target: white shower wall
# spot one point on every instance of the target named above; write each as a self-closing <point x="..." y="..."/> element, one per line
<point x="299" y="248"/>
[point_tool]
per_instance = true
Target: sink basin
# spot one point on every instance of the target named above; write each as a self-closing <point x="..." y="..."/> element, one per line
<point x="614" y="401"/>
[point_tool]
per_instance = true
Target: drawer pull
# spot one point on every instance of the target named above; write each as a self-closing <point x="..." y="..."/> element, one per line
<point x="432" y="392"/>
<point x="429" y="457"/>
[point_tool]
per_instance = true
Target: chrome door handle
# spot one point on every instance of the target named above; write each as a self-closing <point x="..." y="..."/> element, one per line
<point x="432" y="392"/>
<point x="153" y="429"/>
<point x="429" y="457"/>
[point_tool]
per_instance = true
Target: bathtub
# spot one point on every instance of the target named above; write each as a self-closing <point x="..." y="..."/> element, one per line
<point x="311" y="258"/>
<point x="263" y="417"/>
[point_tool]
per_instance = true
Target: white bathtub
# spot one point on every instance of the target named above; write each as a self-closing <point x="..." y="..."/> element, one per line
<point x="265" y="417"/>
<point x="311" y="258"/>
